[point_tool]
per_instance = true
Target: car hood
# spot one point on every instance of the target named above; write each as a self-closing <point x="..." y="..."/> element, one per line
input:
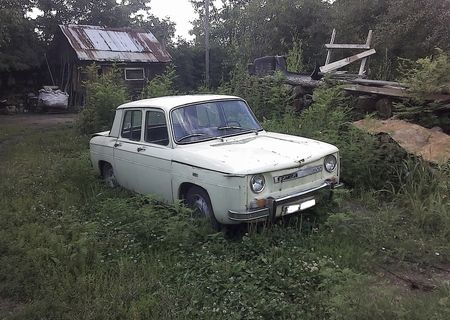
<point x="250" y="153"/>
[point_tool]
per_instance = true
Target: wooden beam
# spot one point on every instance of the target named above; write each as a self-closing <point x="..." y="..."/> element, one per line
<point x="378" y="83"/>
<point x="347" y="46"/>
<point x="386" y="91"/>
<point x="362" y="67"/>
<point x="333" y="36"/>
<point x="344" y="62"/>
<point x="301" y="80"/>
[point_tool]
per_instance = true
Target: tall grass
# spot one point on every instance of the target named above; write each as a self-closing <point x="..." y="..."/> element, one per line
<point x="72" y="248"/>
<point x="104" y="93"/>
<point x="366" y="164"/>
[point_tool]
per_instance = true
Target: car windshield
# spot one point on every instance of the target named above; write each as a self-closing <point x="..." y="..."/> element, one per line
<point x="211" y="120"/>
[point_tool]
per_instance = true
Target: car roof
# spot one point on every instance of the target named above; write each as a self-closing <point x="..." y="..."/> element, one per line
<point x="171" y="102"/>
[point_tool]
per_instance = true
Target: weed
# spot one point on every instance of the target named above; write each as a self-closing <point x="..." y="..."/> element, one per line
<point x="161" y="85"/>
<point x="268" y="97"/>
<point x="72" y="248"/>
<point x="104" y="94"/>
<point x="329" y="120"/>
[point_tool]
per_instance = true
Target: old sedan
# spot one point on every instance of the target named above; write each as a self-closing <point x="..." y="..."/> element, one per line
<point x="210" y="151"/>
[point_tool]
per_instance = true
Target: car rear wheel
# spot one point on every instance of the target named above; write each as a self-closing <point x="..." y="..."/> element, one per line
<point x="198" y="200"/>
<point x="108" y="175"/>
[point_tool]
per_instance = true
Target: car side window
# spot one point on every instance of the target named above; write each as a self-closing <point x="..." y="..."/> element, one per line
<point x="132" y="123"/>
<point x="156" y="128"/>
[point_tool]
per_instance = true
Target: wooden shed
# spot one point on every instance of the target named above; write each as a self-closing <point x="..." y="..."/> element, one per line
<point x="138" y="54"/>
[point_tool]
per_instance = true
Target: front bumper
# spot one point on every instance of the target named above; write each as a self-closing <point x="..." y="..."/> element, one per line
<point x="270" y="210"/>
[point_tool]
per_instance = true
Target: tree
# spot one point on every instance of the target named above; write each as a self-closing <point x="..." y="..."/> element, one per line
<point x="108" y="13"/>
<point x="162" y="29"/>
<point x="188" y="60"/>
<point x="250" y="29"/>
<point x="413" y="28"/>
<point x="19" y="45"/>
<point x="402" y="28"/>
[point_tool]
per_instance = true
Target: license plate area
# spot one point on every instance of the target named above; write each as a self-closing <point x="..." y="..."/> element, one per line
<point x="300" y="205"/>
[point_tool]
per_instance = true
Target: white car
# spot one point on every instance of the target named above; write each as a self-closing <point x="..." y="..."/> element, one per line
<point x="210" y="151"/>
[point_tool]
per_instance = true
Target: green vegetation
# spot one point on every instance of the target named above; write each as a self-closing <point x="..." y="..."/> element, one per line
<point x="268" y="96"/>
<point x="161" y="85"/>
<point x="104" y="94"/>
<point x="294" y="59"/>
<point x="72" y="248"/>
<point x="241" y="30"/>
<point x="330" y="120"/>
<point x="427" y="76"/>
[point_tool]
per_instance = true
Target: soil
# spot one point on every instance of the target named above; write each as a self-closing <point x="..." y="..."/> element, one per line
<point x="30" y="121"/>
<point x="37" y="120"/>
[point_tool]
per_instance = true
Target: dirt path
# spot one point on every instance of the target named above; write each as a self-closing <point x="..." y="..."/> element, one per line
<point x="37" y="120"/>
<point x="14" y="127"/>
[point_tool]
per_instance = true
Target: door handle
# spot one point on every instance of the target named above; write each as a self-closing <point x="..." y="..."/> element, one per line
<point x="139" y="149"/>
<point x="117" y="144"/>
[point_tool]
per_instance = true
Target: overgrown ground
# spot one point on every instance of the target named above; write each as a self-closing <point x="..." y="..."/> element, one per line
<point x="70" y="248"/>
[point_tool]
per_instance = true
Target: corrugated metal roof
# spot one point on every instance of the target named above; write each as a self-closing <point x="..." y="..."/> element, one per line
<point x="93" y="43"/>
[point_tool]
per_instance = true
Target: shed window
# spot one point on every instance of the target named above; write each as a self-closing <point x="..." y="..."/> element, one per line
<point x="134" y="74"/>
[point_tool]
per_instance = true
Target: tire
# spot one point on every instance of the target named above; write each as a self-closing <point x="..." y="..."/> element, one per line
<point x="198" y="200"/>
<point x="108" y="176"/>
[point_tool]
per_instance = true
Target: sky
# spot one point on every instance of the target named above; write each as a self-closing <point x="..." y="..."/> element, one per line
<point x="179" y="11"/>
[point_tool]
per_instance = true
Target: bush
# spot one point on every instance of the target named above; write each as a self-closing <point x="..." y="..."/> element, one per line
<point x="294" y="60"/>
<point x="427" y="76"/>
<point x="328" y="119"/>
<point x="161" y="85"/>
<point x="268" y="97"/>
<point x="104" y="94"/>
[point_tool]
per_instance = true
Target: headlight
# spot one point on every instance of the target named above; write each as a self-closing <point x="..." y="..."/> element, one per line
<point x="330" y="163"/>
<point x="257" y="183"/>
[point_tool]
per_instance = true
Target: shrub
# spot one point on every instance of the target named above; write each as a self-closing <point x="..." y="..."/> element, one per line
<point x="268" y="97"/>
<point x="328" y="119"/>
<point x="426" y="76"/>
<point x="294" y="60"/>
<point x="161" y="85"/>
<point x="104" y="94"/>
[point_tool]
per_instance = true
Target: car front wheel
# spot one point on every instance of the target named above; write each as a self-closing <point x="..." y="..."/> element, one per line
<point x="198" y="200"/>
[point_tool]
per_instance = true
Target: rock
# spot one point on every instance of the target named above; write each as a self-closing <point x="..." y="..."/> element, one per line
<point x="431" y="145"/>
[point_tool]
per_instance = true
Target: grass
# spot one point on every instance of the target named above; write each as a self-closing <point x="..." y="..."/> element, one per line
<point x="70" y="248"/>
<point x="9" y="130"/>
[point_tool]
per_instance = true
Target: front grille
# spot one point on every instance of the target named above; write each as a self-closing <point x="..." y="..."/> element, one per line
<point x="294" y="178"/>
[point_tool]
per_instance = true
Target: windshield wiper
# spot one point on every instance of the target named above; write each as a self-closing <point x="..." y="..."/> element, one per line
<point x="237" y="127"/>
<point x="194" y="135"/>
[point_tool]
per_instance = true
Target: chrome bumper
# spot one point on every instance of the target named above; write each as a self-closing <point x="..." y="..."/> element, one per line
<point x="270" y="210"/>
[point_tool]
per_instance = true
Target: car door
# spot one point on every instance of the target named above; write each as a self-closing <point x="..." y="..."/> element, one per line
<point x="154" y="156"/>
<point x="126" y="149"/>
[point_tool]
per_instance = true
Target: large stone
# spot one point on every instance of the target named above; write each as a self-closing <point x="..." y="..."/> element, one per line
<point x="431" y="145"/>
